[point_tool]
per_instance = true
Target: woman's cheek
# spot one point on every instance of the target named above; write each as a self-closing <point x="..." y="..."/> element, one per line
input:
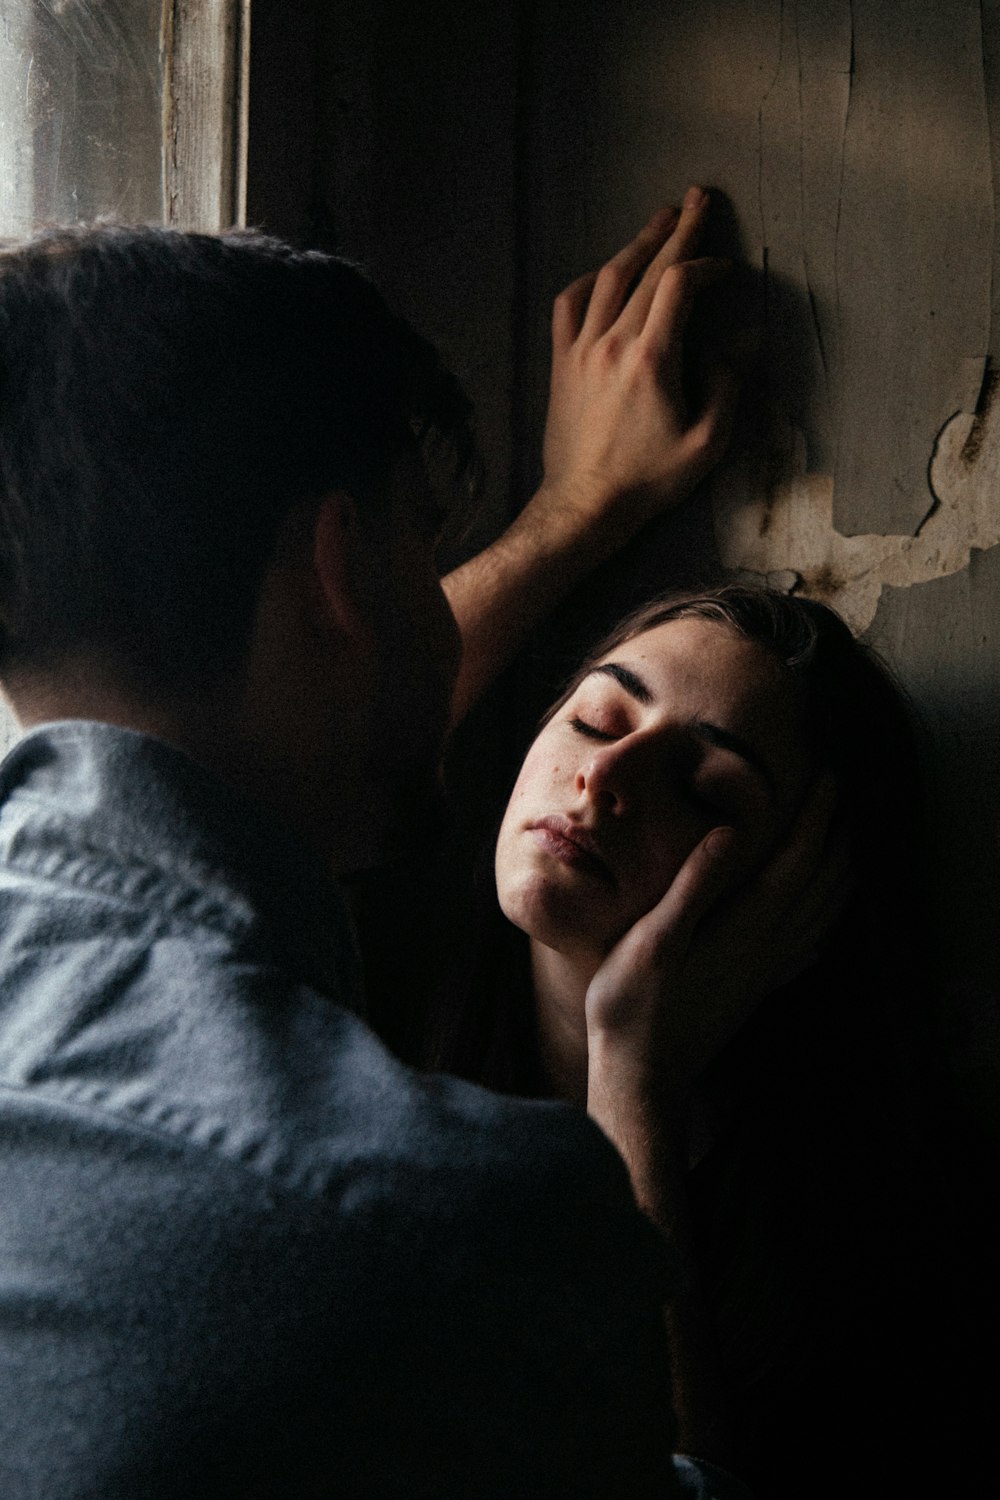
<point x="519" y="879"/>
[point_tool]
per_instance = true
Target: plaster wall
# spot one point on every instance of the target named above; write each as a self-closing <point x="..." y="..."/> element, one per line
<point x="479" y="160"/>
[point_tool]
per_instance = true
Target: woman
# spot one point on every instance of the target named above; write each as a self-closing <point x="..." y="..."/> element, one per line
<point x="812" y="1205"/>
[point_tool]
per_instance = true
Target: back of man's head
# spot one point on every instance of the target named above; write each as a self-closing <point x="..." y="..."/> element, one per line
<point x="165" y="400"/>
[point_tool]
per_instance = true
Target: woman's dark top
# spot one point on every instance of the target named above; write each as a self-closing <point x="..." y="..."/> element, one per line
<point x="847" y="1283"/>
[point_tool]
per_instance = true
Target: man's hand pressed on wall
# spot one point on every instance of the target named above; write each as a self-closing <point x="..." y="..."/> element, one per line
<point x="621" y="442"/>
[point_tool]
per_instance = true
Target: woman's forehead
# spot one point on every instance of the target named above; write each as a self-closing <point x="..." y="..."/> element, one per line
<point x="696" y="650"/>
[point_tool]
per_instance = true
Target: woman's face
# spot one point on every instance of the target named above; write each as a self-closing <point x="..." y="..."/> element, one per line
<point x="684" y="728"/>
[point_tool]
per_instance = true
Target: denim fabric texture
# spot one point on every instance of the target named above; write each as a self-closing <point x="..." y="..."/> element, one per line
<point x="243" y="1251"/>
<point x="702" y="1481"/>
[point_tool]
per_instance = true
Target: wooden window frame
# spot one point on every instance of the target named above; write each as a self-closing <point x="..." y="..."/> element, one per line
<point x="206" y="72"/>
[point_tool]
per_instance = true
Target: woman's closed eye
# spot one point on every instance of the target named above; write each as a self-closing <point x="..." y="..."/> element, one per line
<point x="591" y="731"/>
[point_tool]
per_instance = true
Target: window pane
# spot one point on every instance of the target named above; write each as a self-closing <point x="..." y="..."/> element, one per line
<point x="81" y="85"/>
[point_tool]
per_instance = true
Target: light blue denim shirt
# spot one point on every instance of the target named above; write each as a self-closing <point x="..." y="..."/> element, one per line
<point x="243" y="1251"/>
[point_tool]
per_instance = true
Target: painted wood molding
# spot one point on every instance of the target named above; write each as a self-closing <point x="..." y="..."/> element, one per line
<point x="206" y="69"/>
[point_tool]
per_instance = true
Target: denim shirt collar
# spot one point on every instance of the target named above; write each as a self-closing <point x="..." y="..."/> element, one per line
<point x="137" y="808"/>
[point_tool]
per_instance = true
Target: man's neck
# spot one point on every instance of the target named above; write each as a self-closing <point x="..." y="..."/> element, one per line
<point x="560" y="984"/>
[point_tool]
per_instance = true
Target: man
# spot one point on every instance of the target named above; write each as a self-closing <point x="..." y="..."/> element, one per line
<point x="242" y="1251"/>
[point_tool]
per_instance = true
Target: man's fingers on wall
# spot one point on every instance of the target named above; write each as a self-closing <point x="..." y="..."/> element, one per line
<point x="673" y="299"/>
<point x="569" y="310"/>
<point x="684" y="239"/>
<point x="614" y="281"/>
<point x="708" y="437"/>
<point x="680" y="245"/>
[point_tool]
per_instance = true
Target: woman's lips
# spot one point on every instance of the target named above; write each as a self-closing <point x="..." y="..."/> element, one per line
<point x="572" y="845"/>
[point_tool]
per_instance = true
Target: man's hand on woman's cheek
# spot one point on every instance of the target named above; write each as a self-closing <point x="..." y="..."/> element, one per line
<point x="683" y="981"/>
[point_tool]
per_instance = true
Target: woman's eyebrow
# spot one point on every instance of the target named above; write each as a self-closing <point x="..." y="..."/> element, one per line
<point x="626" y="678"/>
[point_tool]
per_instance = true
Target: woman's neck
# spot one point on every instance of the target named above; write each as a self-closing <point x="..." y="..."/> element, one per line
<point x="560" y="984"/>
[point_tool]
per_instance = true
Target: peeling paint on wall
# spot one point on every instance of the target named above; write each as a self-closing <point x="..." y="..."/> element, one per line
<point x="789" y="538"/>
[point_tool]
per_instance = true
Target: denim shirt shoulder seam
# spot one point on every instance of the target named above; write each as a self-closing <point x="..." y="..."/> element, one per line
<point x="92" y="869"/>
<point x="303" y="1182"/>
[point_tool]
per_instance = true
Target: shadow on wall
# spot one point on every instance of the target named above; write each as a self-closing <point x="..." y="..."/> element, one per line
<point x="943" y="638"/>
<point x="769" y="324"/>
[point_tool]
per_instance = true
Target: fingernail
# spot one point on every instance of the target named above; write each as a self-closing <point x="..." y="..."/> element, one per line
<point x="720" y="842"/>
<point x="694" y="197"/>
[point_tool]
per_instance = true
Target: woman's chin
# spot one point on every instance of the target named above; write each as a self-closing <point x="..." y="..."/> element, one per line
<point x="555" y="918"/>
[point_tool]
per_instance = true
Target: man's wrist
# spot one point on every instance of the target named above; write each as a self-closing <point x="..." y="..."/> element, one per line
<point x="582" y="513"/>
<point x="651" y="1074"/>
<point x="654" y="1153"/>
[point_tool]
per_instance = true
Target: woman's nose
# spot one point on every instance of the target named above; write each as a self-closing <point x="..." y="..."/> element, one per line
<point x="603" y="776"/>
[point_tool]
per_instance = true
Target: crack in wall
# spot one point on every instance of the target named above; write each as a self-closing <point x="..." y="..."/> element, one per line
<point x="803" y="207"/>
<point x="765" y="96"/>
<point x="984" y="55"/>
<point x="843" y="166"/>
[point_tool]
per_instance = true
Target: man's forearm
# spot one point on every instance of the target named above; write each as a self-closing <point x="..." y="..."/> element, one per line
<point x="499" y="596"/>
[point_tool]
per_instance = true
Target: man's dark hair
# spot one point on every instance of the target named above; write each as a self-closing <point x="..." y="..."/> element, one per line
<point x="165" y="400"/>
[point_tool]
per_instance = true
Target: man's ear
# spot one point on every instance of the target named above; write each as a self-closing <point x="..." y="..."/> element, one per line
<point x="337" y="564"/>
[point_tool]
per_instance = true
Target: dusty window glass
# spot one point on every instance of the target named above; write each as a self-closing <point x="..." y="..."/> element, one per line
<point x="133" y="109"/>
<point x="81" y="89"/>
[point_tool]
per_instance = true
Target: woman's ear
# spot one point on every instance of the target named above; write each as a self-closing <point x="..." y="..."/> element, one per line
<point x="336" y="564"/>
